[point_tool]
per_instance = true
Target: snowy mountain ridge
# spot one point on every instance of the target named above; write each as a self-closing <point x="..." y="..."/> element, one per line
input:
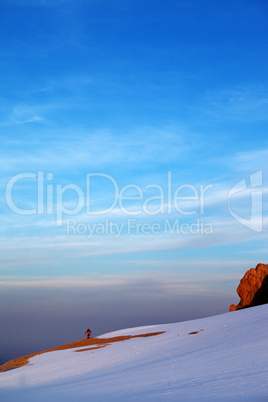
<point x="219" y="358"/>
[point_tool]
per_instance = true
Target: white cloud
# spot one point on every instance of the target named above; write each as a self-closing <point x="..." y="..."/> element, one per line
<point x="249" y="103"/>
<point x="252" y="161"/>
<point x="94" y="149"/>
<point x="70" y="250"/>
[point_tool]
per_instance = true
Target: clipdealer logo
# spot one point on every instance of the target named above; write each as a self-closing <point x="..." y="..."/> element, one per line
<point x="255" y="194"/>
<point x="162" y="200"/>
<point x="102" y="196"/>
<point x="133" y="226"/>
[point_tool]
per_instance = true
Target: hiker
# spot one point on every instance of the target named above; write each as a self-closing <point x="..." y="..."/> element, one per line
<point x="88" y="332"/>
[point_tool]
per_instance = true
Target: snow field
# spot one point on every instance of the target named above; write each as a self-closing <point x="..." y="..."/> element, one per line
<point x="226" y="360"/>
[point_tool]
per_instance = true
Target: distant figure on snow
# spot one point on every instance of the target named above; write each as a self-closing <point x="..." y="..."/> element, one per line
<point x="88" y="332"/>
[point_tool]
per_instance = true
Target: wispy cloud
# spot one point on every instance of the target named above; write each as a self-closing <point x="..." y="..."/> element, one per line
<point x="135" y="283"/>
<point x="252" y="160"/>
<point x="96" y="149"/>
<point x="62" y="250"/>
<point x="243" y="103"/>
<point x="38" y="238"/>
<point x="30" y="113"/>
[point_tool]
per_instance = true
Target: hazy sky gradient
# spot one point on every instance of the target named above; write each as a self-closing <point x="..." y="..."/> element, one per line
<point x="140" y="91"/>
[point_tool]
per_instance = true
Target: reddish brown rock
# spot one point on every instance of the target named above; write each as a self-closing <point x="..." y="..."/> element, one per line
<point x="253" y="288"/>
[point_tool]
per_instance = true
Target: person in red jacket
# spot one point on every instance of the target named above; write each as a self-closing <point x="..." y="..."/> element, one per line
<point x="88" y="332"/>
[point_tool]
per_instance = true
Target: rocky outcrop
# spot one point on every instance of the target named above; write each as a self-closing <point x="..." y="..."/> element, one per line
<point x="253" y="288"/>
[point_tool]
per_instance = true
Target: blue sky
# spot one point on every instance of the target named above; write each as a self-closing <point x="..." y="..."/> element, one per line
<point x="134" y="90"/>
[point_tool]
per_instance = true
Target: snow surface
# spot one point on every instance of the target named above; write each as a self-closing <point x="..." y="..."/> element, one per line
<point x="227" y="360"/>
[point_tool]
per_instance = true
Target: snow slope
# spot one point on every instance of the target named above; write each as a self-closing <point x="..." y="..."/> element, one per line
<point x="227" y="360"/>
